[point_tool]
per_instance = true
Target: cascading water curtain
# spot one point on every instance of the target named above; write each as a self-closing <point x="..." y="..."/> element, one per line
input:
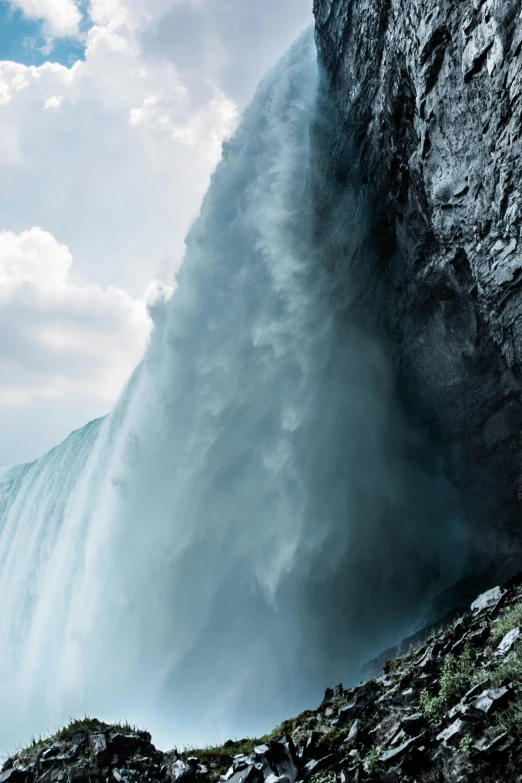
<point x="248" y="524"/>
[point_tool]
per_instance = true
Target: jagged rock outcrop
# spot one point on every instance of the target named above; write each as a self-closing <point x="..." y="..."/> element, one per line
<point x="449" y="710"/>
<point x="430" y="95"/>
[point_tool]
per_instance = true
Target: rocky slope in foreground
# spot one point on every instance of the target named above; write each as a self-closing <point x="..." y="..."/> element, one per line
<point x="450" y="710"/>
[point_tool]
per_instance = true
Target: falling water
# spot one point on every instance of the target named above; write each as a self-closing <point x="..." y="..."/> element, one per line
<point x="256" y="516"/>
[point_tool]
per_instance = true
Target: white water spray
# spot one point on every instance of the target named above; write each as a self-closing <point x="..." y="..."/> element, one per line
<point x="249" y="523"/>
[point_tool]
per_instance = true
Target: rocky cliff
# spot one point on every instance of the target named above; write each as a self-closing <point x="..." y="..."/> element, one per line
<point x="430" y="96"/>
<point x="449" y="710"/>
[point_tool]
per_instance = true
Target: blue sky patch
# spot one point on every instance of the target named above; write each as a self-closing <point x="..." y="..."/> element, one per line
<point x="23" y="40"/>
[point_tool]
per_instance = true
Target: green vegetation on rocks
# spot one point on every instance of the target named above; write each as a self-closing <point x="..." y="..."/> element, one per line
<point x="449" y="710"/>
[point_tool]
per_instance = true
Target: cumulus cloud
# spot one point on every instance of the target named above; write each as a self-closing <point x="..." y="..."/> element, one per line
<point x="112" y="156"/>
<point x="60" y="341"/>
<point x="117" y="178"/>
<point x="214" y="123"/>
<point x="53" y="102"/>
<point x="119" y="171"/>
<point x="60" y="17"/>
<point x="234" y="40"/>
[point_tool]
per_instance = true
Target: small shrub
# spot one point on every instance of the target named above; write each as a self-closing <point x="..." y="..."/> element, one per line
<point x="508" y="720"/>
<point x="510" y="669"/>
<point x="436" y="632"/>
<point x="327" y="776"/>
<point x="85" y="724"/>
<point x="371" y="760"/>
<point x="430" y="706"/>
<point x="466" y="743"/>
<point x="66" y="734"/>
<point x="335" y="736"/>
<point x="218" y="759"/>
<point x="455" y="680"/>
<point x="510" y="619"/>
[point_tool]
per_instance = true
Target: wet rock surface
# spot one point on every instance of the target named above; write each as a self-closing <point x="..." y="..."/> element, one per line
<point x="449" y="710"/>
<point x="429" y="95"/>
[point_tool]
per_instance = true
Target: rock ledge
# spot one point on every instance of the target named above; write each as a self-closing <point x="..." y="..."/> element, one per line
<point x="449" y="710"/>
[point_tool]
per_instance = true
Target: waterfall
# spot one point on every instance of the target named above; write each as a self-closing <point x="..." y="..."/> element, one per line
<point x="256" y="516"/>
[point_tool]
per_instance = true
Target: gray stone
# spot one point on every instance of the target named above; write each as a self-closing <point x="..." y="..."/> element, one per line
<point x="124" y="744"/>
<point x="405" y="697"/>
<point x="360" y="698"/>
<point x="48" y="753"/>
<point x="53" y="760"/>
<point x="474" y="691"/>
<point x="428" y="656"/>
<point x="78" y="742"/>
<point x="317" y="765"/>
<point x="284" y="758"/>
<point x="78" y="774"/>
<point x="478" y="636"/>
<point x="508" y="642"/>
<point x="241" y="761"/>
<point x="458" y="768"/>
<point x="263" y="762"/>
<point x="249" y="775"/>
<point x="499" y="744"/>
<point x="455" y="732"/>
<point x="49" y="776"/>
<point x="311" y="744"/>
<point x="395" y="753"/>
<point x="488" y="600"/>
<point x="126" y="775"/>
<point x="181" y="772"/>
<point x="98" y="744"/>
<point x="354" y="731"/>
<point x="333" y="693"/>
<point x="413" y="724"/>
<point x="489" y="700"/>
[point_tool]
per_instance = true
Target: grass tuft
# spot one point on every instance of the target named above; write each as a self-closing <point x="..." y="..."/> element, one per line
<point x="510" y="619"/>
<point x="456" y="676"/>
<point x="371" y="761"/>
<point x="75" y="726"/>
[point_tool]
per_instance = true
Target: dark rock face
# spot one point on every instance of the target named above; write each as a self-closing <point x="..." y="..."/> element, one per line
<point x="430" y="95"/>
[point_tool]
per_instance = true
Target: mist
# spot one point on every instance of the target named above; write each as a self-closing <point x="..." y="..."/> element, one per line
<point x="258" y="515"/>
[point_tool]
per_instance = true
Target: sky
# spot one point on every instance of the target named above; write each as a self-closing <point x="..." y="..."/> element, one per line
<point x="112" y="116"/>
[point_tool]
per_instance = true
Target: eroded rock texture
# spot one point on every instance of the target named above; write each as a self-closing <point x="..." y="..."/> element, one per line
<point x="448" y="710"/>
<point x="431" y="95"/>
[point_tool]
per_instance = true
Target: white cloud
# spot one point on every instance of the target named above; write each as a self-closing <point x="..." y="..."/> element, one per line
<point x="112" y="156"/>
<point x="69" y="338"/>
<point x="61" y="342"/>
<point x="207" y="129"/>
<point x="60" y="17"/>
<point x="53" y="102"/>
<point x="33" y="257"/>
<point x="117" y="179"/>
<point x="119" y="196"/>
<point x="133" y="13"/>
